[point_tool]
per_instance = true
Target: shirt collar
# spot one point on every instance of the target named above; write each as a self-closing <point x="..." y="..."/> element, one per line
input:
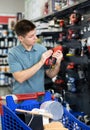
<point x="34" y="48"/>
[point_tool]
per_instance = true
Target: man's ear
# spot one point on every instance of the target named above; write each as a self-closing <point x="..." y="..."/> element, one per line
<point x="20" y="38"/>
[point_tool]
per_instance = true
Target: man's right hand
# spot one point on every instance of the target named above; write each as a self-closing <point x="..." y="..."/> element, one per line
<point x="46" y="55"/>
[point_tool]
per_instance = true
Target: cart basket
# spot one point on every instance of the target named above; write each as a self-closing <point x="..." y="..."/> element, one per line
<point x="10" y="120"/>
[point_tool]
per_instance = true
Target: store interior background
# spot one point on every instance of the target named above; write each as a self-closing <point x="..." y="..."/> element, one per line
<point x="12" y="8"/>
<point x="29" y="9"/>
<point x="9" y="8"/>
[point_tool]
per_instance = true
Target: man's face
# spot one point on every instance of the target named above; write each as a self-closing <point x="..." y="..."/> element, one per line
<point x="29" y="39"/>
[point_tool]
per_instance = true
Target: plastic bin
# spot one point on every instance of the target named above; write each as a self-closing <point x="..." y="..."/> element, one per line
<point x="10" y="121"/>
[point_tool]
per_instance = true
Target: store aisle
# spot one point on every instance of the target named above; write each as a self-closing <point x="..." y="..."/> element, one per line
<point x="4" y="90"/>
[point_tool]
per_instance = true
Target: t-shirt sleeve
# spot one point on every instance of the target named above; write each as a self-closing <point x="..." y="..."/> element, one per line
<point x="14" y="65"/>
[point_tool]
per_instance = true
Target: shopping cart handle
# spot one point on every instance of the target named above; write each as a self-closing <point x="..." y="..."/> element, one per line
<point x="28" y="96"/>
<point x="40" y="93"/>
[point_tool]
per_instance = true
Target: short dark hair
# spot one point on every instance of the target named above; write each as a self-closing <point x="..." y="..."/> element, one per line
<point x="24" y="26"/>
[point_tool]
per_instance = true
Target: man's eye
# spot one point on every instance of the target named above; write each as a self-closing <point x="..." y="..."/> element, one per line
<point x="30" y="36"/>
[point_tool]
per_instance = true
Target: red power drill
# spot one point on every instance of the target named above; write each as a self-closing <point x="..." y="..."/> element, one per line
<point x="50" y="62"/>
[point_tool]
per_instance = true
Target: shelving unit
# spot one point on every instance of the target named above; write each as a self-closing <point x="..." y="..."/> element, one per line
<point x="49" y="35"/>
<point x="7" y="40"/>
<point x="65" y="11"/>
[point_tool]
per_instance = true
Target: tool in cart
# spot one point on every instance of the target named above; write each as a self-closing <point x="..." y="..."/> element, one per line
<point x="53" y="107"/>
<point x="50" y="62"/>
<point x="47" y="109"/>
<point x="42" y="116"/>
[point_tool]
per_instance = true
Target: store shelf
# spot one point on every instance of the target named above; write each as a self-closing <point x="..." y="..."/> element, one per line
<point x="51" y="37"/>
<point x="7" y="40"/>
<point x="64" y="11"/>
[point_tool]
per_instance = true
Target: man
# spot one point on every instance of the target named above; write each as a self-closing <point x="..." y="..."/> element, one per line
<point x="27" y="60"/>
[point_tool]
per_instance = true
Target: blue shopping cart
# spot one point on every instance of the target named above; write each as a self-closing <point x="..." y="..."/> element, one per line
<point x="10" y="120"/>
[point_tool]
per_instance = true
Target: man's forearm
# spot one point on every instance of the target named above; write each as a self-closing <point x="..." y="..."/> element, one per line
<point x="23" y="75"/>
<point x="52" y="72"/>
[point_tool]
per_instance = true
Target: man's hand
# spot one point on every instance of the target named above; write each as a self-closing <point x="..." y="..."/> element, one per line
<point x="46" y="55"/>
<point x="58" y="55"/>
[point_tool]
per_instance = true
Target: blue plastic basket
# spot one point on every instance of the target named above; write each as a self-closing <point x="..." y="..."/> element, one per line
<point x="72" y="123"/>
<point x="10" y="121"/>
